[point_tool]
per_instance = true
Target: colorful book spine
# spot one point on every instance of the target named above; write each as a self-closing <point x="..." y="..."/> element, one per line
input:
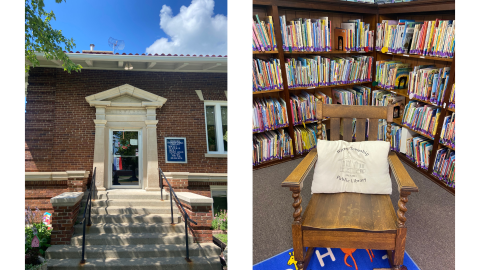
<point x="273" y="144"/>
<point x="421" y="117"/>
<point x="302" y="107"/>
<point x="264" y="35"/>
<point x="451" y="101"/>
<point x="444" y="166"/>
<point x="447" y="136"/>
<point x="305" y="138"/>
<point x="269" y="114"/>
<point x="307" y="35"/>
<point x="267" y="75"/>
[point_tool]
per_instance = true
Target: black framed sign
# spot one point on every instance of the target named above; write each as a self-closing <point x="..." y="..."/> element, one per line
<point x="175" y="150"/>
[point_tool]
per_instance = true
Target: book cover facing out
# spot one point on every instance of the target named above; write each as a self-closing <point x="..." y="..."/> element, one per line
<point x="340" y="36"/>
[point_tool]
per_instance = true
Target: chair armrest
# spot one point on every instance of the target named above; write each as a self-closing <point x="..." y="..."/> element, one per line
<point x="404" y="181"/>
<point x="295" y="179"/>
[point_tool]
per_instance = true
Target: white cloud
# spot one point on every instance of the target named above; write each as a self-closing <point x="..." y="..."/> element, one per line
<point x="195" y="30"/>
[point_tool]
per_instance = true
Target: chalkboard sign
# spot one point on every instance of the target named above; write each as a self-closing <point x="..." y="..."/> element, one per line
<point x="175" y="150"/>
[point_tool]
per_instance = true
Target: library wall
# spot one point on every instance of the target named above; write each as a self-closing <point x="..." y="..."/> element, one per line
<point x="59" y="127"/>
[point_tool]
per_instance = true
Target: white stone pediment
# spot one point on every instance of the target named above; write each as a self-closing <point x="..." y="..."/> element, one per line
<point x="125" y="96"/>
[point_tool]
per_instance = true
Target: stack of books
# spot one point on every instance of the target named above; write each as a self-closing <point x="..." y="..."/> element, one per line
<point x="303" y="107"/>
<point x="418" y="151"/>
<point x="429" y="83"/>
<point x="447" y="137"/>
<point x="306" y="35"/>
<point x="352" y="36"/>
<point x="428" y="38"/>
<point x="396" y="134"/>
<point x="264" y="35"/>
<point x="269" y="113"/>
<point x="392" y="74"/>
<point x="267" y="75"/>
<point x="451" y="101"/>
<point x="305" y="138"/>
<point x="444" y="166"/>
<point x="421" y="117"/>
<point x="325" y="71"/>
<point x="273" y="144"/>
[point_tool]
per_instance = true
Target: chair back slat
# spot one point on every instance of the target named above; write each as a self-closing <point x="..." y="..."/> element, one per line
<point x="334" y="129"/>
<point x="360" y="135"/>
<point x="353" y="111"/>
<point x="347" y="129"/>
<point x="373" y="129"/>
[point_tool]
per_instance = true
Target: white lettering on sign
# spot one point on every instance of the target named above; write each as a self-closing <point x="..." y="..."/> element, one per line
<point x="174" y="149"/>
<point x="320" y="256"/>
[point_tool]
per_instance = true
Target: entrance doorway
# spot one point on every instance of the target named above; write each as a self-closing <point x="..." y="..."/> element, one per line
<point x="125" y="166"/>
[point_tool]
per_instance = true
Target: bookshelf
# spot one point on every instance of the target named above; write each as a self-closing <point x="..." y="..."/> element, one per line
<point x="341" y="11"/>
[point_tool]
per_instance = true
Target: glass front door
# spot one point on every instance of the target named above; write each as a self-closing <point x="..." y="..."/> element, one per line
<point x="126" y="163"/>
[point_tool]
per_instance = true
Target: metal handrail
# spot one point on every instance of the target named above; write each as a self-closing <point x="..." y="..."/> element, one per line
<point x="185" y="215"/>
<point x="88" y="205"/>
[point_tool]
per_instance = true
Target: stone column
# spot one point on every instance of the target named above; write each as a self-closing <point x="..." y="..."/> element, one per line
<point x="153" y="183"/>
<point x="99" y="154"/>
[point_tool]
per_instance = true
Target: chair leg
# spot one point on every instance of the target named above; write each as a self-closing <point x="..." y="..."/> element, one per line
<point x="298" y="245"/>
<point x="399" y="247"/>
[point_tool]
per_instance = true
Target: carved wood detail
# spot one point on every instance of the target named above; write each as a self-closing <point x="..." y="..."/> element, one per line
<point x="402" y="209"/>
<point x="297" y="205"/>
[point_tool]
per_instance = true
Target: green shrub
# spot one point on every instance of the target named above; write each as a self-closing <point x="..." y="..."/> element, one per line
<point x="222" y="237"/>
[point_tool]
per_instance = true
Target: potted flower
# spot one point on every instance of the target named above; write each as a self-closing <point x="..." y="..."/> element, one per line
<point x="37" y="239"/>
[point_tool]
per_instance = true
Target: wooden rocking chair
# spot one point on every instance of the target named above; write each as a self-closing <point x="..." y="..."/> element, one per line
<point x="350" y="220"/>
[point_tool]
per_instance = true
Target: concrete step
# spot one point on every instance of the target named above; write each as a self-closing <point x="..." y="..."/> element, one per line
<point x="121" y="228"/>
<point x="135" y="210"/>
<point x="124" y="202"/>
<point x="134" y="251"/>
<point x="175" y="263"/>
<point x="132" y="239"/>
<point x="129" y="218"/>
<point x="129" y="194"/>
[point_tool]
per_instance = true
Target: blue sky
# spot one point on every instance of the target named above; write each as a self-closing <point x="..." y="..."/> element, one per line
<point x="200" y="28"/>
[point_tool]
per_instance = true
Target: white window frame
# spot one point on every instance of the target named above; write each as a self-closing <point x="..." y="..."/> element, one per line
<point x="217" y="188"/>
<point x="218" y="124"/>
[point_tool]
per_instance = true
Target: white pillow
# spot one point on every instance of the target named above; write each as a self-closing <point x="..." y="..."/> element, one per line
<point x="360" y="167"/>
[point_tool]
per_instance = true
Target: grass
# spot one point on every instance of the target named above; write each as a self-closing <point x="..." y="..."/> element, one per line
<point x="222" y="237"/>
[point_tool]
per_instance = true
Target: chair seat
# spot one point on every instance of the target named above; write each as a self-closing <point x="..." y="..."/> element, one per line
<point x="365" y="212"/>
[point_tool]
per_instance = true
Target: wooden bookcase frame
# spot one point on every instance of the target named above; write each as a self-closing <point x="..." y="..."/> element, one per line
<point x="369" y="13"/>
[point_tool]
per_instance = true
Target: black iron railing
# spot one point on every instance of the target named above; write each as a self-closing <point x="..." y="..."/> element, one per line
<point x="91" y="196"/>
<point x="186" y="218"/>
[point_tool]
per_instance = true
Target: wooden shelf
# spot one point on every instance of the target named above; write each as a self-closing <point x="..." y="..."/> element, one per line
<point x="330" y="52"/>
<point x="328" y="86"/>
<point x="306" y="123"/>
<point x="268" y="130"/>
<point x="446" y="146"/>
<point x="434" y="179"/>
<point x="271" y="162"/>
<point x="398" y="121"/>
<point x="265" y="52"/>
<point x="417" y="6"/>
<point x="419" y="56"/>
<point x="452" y="109"/>
<point x="268" y="91"/>
<point x="403" y="92"/>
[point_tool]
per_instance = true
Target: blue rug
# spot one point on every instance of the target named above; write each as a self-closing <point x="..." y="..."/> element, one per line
<point x="335" y="258"/>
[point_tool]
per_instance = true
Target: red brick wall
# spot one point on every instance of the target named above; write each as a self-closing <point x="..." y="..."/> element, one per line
<point x="202" y="215"/>
<point x="39" y="193"/>
<point x="59" y="128"/>
<point x="63" y="220"/>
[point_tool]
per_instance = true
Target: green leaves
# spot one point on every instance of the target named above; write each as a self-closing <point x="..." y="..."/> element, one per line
<point x="40" y="37"/>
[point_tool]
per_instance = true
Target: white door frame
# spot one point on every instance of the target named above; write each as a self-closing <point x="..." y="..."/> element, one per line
<point x="140" y="160"/>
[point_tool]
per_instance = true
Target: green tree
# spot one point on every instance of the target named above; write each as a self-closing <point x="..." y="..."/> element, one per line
<point x="42" y="38"/>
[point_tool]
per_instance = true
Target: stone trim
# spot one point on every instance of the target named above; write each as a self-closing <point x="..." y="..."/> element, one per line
<point x="202" y="177"/>
<point x="194" y="199"/>
<point x="216" y="155"/>
<point x="152" y="100"/>
<point x="55" y="176"/>
<point x="66" y="199"/>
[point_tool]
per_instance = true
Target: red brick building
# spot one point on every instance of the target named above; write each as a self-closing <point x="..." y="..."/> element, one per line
<point x="116" y="115"/>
